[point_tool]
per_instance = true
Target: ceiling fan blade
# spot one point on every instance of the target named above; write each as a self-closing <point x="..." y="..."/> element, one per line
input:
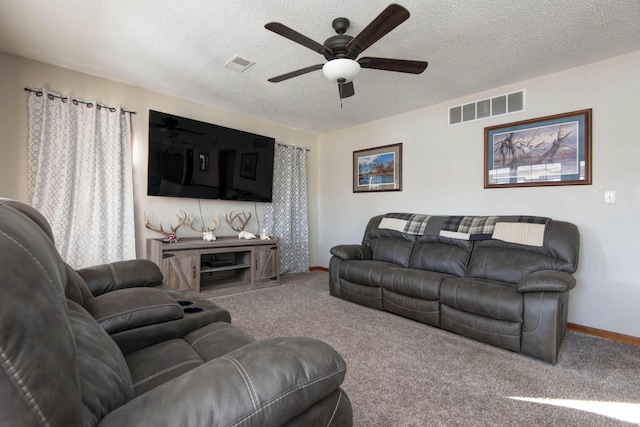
<point x="295" y="36"/>
<point x="399" y="65"/>
<point x="389" y="19"/>
<point x="296" y="73"/>
<point x="346" y="90"/>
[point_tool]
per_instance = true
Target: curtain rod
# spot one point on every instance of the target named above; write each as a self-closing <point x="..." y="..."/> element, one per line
<point x="76" y="101"/>
<point x="293" y="146"/>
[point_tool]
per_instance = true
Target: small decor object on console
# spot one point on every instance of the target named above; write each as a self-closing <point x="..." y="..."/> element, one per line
<point x="246" y="235"/>
<point x="264" y="235"/>
<point x="208" y="233"/>
<point x="171" y="237"/>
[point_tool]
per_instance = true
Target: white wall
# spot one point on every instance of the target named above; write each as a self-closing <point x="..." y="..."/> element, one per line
<point x="18" y="73"/>
<point x="443" y="174"/>
<point x="443" y="169"/>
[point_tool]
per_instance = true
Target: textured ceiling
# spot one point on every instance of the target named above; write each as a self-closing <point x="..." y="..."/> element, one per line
<point x="180" y="48"/>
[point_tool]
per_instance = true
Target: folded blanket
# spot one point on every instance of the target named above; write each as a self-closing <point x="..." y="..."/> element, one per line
<point x="522" y="229"/>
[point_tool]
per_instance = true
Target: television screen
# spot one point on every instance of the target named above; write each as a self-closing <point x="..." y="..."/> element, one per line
<point x="189" y="158"/>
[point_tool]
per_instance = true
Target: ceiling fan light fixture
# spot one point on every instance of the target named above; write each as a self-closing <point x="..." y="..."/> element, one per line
<point x="341" y="70"/>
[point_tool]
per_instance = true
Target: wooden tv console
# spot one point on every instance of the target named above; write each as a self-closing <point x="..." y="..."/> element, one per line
<point x="223" y="266"/>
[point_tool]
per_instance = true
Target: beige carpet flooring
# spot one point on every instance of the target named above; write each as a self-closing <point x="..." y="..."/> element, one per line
<point x="404" y="373"/>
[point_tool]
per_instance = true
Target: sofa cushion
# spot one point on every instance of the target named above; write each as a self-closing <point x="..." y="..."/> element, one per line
<point x="368" y="273"/>
<point x="423" y="310"/>
<point x="502" y="333"/>
<point x="104" y="376"/>
<point x="164" y="361"/>
<point x="482" y="297"/>
<point x="414" y="283"/>
<point x="510" y="262"/>
<point x="369" y="296"/>
<point x="441" y="254"/>
<point x="391" y="249"/>
<point x="121" y="275"/>
<point x="217" y="339"/>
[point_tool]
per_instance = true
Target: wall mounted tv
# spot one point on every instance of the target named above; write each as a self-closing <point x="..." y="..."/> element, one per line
<point x="189" y="158"/>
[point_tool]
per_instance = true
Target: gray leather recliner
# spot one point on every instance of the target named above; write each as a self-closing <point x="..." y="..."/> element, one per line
<point x="59" y="366"/>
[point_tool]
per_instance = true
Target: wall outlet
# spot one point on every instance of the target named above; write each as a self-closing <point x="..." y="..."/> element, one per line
<point x="610" y="196"/>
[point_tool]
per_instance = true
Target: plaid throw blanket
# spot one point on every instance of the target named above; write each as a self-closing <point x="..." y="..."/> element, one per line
<point x="522" y="229"/>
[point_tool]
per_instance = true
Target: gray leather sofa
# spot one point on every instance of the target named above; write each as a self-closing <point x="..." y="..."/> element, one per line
<point x="508" y="288"/>
<point x="167" y="366"/>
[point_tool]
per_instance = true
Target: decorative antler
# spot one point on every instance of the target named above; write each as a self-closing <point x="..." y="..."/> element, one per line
<point x="244" y="220"/>
<point x="182" y="221"/>
<point x="168" y="237"/>
<point x="208" y="233"/>
<point x="189" y="221"/>
<point x="216" y="223"/>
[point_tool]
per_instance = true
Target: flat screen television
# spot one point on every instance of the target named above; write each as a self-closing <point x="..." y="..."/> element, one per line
<point x="189" y="158"/>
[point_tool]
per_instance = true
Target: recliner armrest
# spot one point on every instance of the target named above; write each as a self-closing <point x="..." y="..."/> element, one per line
<point x="121" y="275"/>
<point x="351" y="252"/>
<point x="133" y="308"/>
<point x="271" y="381"/>
<point x="547" y="281"/>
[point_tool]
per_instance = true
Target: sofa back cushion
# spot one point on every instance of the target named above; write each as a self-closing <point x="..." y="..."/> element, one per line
<point x="510" y="262"/>
<point x="57" y="368"/>
<point x="388" y="245"/>
<point x="441" y="254"/>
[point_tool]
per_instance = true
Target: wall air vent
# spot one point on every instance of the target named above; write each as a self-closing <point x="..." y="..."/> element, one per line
<point x="485" y="108"/>
<point x="238" y="64"/>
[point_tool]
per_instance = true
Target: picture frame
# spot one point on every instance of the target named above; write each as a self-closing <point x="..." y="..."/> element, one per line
<point x="546" y="151"/>
<point x="248" y="163"/>
<point x="378" y="169"/>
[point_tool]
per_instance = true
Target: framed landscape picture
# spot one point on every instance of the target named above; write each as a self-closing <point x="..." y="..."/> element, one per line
<point x="378" y="169"/>
<point x="552" y="150"/>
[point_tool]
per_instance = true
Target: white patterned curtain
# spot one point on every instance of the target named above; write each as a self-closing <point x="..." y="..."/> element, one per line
<point x="287" y="216"/>
<point x="80" y="177"/>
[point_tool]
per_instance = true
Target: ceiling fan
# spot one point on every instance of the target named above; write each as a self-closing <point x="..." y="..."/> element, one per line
<point x="342" y="50"/>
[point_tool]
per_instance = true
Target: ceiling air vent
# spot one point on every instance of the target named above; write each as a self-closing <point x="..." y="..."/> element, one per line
<point x="238" y="64"/>
<point x="485" y="108"/>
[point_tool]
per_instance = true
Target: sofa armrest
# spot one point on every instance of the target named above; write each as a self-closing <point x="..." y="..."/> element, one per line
<point x="351" y="252"/>
<point x="120" y="275"/>
<point x="264" y="383"/>
<point x="133" y="308"/>
<point x="547" y="281"/>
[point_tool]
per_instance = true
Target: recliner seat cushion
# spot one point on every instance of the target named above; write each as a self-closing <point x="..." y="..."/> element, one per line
<point x="482" y="297"/>
<point x="502" y="333"/>
<point x="413" y="283"/>
<point x="367" y="273"/>
<point x="370" y="296"/>
<point x="164" y="361"/>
